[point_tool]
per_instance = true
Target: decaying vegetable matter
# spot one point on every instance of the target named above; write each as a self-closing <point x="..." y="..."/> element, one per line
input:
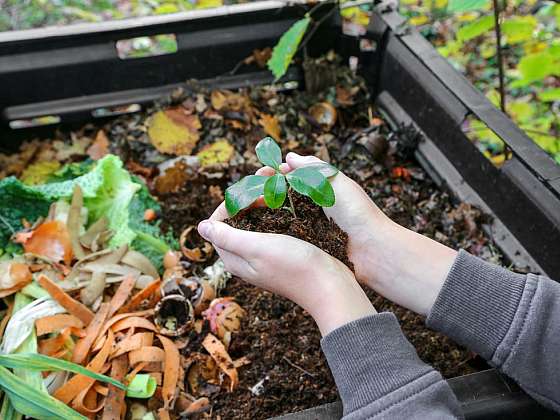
<point x="98" y="298"/>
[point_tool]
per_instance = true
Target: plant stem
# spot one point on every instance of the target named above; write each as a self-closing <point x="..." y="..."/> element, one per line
<point x="499" y="54"/>
<point x="292" y="207"/>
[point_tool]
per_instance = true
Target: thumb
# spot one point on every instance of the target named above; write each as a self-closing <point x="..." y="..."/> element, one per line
<point x="223" y="236"/>
<point x="297" y="161"/>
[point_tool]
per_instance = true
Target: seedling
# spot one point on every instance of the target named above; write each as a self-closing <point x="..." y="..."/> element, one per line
<point x="311" y="181"/>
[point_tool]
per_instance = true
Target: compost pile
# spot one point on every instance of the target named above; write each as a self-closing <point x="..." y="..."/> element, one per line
<point x="102" y="267"/>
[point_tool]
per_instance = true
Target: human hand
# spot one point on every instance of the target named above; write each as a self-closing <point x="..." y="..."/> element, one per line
<point x="292" y="268"/>
<point x="400" y="264"/>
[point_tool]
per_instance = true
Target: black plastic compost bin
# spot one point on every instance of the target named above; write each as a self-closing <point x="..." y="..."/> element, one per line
<point x="73" y="72"/>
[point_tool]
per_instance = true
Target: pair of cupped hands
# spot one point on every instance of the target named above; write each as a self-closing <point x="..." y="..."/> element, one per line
<point x="397" y="263"/>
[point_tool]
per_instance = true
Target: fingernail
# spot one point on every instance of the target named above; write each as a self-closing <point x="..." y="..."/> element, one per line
<point x="205" y="229"/>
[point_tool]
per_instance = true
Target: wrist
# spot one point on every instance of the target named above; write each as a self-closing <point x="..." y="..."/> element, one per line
<point x="406" y="267"/>
<point x="338" y="299"/>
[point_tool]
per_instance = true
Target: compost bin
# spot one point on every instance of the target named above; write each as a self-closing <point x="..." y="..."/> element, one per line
<point x="73" y="75"/>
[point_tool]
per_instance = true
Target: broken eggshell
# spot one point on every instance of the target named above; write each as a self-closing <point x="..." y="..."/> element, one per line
<point x="224" y="316"/>
<point x="174" y="315"/>
<point x="198" y="291"/>
<point x="196" y="253"/>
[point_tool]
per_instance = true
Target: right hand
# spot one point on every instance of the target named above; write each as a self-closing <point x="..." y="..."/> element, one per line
<point x="400" y="264"/>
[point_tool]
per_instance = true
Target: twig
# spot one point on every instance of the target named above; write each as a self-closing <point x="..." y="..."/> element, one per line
<point x="297" y="367"/>
<point x="499" y="54"/>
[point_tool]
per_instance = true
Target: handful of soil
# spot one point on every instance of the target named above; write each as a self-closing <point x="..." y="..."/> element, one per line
<point x="310" y="225"/>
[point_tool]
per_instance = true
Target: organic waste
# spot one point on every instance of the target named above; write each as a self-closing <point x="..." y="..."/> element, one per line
<point x="102" y="266"/>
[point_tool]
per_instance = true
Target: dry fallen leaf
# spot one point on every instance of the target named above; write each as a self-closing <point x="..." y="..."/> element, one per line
<point x="218" y="152"/>
<point x="174" y="132"/>
<point x="39" y="172"/>
<point x="172" y="179"/>
<point x="99" y="147"/>
<point x="228" y="101"/>
<point x="65" y="151"/>
<point x="261" y="57"/>
<point x="271" y="125"/>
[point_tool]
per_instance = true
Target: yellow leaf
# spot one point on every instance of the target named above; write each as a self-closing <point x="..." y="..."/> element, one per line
<point x="218" y="152"/>
<point x="467" y="16"/>
<point x="174" y="132"/>
<point x="38" y="173"/>
<point x="419" y="20"/>
<point x="270" y="125"/>
<point x="204" y="4"/>
<point x="356" y="15"/>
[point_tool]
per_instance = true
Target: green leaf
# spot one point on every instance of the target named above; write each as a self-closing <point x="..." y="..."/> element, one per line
<point x="33" y="403"/>
<point x="550" y="95"/>
<point x="536" y="67"/>
<point x="142" y="386"/>
<point x="325" y="168"/>
<point x="269" y="153"/>
<point x="40" y="362"/>
<point x="313" y="184"/>
<point x="275" y="189"/>
<point x="519" y="28"/>
<point x="286" y="48"/>
<point x="458" y="6"/>
<point x="244" y="193"/>
<point x="474" y="29"/>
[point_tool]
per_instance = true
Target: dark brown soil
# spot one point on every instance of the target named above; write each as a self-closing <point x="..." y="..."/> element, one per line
<point x="310" y="225"/>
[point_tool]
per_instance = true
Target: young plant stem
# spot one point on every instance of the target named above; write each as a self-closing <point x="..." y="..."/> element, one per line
<point x="292" y="207"/>
<point x="499" y="54"/>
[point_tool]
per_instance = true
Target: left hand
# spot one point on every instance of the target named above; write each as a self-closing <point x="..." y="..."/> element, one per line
<point x="292" y="268"/>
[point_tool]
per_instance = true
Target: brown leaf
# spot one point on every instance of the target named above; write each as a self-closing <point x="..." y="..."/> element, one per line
<point x="271" y="125"/>
<point x="174" y="132"/>
<point x="172" y="179"/>
<point x="65" y="151"/>
<point x="99" y="147"/>
<point x="228" y="101"/>
<point x="344" y="96"/>
<point x="261" y="57"/>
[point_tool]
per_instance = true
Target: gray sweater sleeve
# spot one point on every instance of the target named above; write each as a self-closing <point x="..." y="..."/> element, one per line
<point x="379" y="375"/>
<point x="507" y="318"/>
<point x="511" y="320"/>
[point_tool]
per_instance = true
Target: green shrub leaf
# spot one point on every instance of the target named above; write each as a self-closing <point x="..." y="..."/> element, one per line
<point x="310" y="182"/>
<point x="519" y="28"/>
<point x="286" y="48"/>
<point x="550" y="95"/>
<point x="459" y="6"/>
<point x="275" y="190"/>
<point x="269" y="153"/>
<point x="244" y="193"/>
<point x="476" y="28"/>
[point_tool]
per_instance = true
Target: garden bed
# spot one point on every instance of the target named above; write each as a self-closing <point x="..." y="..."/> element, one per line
<point x="338" y="123"/>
